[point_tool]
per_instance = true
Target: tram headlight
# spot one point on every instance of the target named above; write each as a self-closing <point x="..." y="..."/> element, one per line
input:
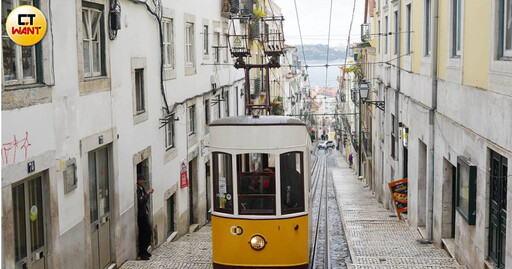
<point x="257" y="242"/>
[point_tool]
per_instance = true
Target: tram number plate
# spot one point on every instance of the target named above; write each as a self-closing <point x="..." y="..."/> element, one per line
<point x="236" y="230"/>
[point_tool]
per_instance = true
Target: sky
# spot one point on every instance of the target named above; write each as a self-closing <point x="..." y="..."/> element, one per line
<point x="314" y="21"/>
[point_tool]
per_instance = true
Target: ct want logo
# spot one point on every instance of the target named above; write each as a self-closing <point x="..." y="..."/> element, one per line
<point x="236" y="230"/>
<point x="26" y="25"/>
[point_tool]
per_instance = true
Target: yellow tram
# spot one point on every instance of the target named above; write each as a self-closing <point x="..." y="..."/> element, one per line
<point x="260" y="192"/>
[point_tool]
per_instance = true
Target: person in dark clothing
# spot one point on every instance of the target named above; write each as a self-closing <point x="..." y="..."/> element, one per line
<point x="143" y="218"/>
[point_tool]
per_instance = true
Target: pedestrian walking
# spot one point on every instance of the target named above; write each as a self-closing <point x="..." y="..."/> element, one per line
<point x="350" y="159"/>
<point x="143" y="218"/>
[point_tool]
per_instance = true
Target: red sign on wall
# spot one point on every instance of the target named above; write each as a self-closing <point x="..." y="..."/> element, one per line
<point x="183" y="176"/>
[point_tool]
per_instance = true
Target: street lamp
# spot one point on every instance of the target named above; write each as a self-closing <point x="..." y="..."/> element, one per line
<point x="363" y="90"/>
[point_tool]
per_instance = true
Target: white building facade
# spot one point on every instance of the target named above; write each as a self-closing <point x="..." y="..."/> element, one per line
<point x="84" y="115"/>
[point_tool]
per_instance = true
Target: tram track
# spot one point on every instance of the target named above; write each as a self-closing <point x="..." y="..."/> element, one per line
<point x="320" y="247"/>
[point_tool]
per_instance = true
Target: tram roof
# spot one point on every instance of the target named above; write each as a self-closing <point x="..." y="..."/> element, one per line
<point x="261" y="120"/>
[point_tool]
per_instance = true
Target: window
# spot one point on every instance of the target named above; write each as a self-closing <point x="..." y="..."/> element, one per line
<point x="168" y="42"/>
<point x="20" y="63"/>
<point x="207" y="111"/>
<point x="292" y="182"/>
<point x="427" y="29"/>
<point x="226" y="98"/>
<point x="205" y="39"/>
<point x="466" y="189"/>
<point x="191" y="117"/>
<point x="505" y="28"/>
<point x="222" y="183"/>
<point x="93" y="43"/>
<point x="456" y="27"/>
<point x="393" y="137"/>
<point x="139" y="91"/>
<point x="408" y="28"/>
<point x="256" y="184"/>
<point x="189" y="44"/>
<point x="395" y="34"/>
<point x="378" y="37"/>
<point x="386" y="35"/>
<point x="169" y="133"/>
<point x="216" y="44"/>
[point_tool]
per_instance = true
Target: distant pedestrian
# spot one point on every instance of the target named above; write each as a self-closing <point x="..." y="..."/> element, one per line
<point x="143" y="218"/>
<point x="350" y="159"/>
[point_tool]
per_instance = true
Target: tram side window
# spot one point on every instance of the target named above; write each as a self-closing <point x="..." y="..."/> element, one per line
<point x="256" y="184"/>
<point x="292" y="182"/>
<point x="223" y="182"/>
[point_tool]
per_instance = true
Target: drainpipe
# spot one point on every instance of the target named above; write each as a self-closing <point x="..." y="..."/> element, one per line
<point x="397" y="94"/>
<point x="430" y="186"/>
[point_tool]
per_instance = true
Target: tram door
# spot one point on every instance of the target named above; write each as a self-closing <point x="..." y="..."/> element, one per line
<point x="29" y="230"/>
<point x="99" y="195"/>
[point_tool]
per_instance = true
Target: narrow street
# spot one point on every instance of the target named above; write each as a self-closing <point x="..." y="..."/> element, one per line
<point x="362" y="233"/>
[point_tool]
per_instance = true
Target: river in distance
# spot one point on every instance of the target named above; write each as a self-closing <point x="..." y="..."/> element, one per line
<point x="317" y="74"/>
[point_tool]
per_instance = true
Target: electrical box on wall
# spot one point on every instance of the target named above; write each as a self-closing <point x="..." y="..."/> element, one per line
<point x="70" y="180"/>
<point x="115" y="19"/>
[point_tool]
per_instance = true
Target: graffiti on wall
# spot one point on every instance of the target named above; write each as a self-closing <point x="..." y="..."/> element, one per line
<point x="11" y="149"/>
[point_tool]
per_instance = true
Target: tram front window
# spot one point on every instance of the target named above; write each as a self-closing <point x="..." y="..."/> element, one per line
<point x="292" y="182"/>
<point x="256" y="184"/>
<point x="223" y="182"/>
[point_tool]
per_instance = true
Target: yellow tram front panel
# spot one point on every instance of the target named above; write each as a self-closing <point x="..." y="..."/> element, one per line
<point x="286" y="242"/>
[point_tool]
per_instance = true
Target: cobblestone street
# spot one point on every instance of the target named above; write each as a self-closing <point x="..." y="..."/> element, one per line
<point x="376" y="238"/>
<point x="190" y="251"/>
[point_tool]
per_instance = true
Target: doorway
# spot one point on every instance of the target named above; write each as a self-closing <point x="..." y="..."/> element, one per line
<point x="449" y="199"/>
<point x="29" y="213"/>
<point x="99" y="201"/>
<point x="422" y="184"/>
<point x="142" y="170"/>
<point x="171" y="204"/>
<point x="405" y="161"/>
<point x="193" y="192"/>
<point x="208" y="190"/>
<point x="498" y="209"/>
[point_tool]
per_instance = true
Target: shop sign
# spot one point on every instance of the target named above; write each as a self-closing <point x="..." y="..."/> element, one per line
<point x="398" y="190"/>
<point x="183" y="176"/>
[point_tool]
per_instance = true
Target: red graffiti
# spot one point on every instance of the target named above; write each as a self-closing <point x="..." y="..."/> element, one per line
<point x="10" y="149"/>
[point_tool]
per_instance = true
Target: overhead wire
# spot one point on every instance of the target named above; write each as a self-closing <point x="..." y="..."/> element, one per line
<point x="328" y="44"/>
<point x="301" y="40"/>
<point x="348" y="39"/>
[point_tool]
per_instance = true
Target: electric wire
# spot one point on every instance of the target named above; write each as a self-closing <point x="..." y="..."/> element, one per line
<point x="328" y="44"/>
<point x="348" y="39"/>
<point x="301" y="41"/>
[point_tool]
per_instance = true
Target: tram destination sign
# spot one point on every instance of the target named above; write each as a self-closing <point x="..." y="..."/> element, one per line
<point x="398" y="190"/>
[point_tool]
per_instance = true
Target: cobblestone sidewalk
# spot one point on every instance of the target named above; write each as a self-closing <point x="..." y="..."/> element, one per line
<point x="190" y="251"/>
<point x="376" y="238"/>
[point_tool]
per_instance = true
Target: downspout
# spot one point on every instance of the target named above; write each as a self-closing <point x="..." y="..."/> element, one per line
<point x="432" y="111"/>
<point x="397" y="93"/>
